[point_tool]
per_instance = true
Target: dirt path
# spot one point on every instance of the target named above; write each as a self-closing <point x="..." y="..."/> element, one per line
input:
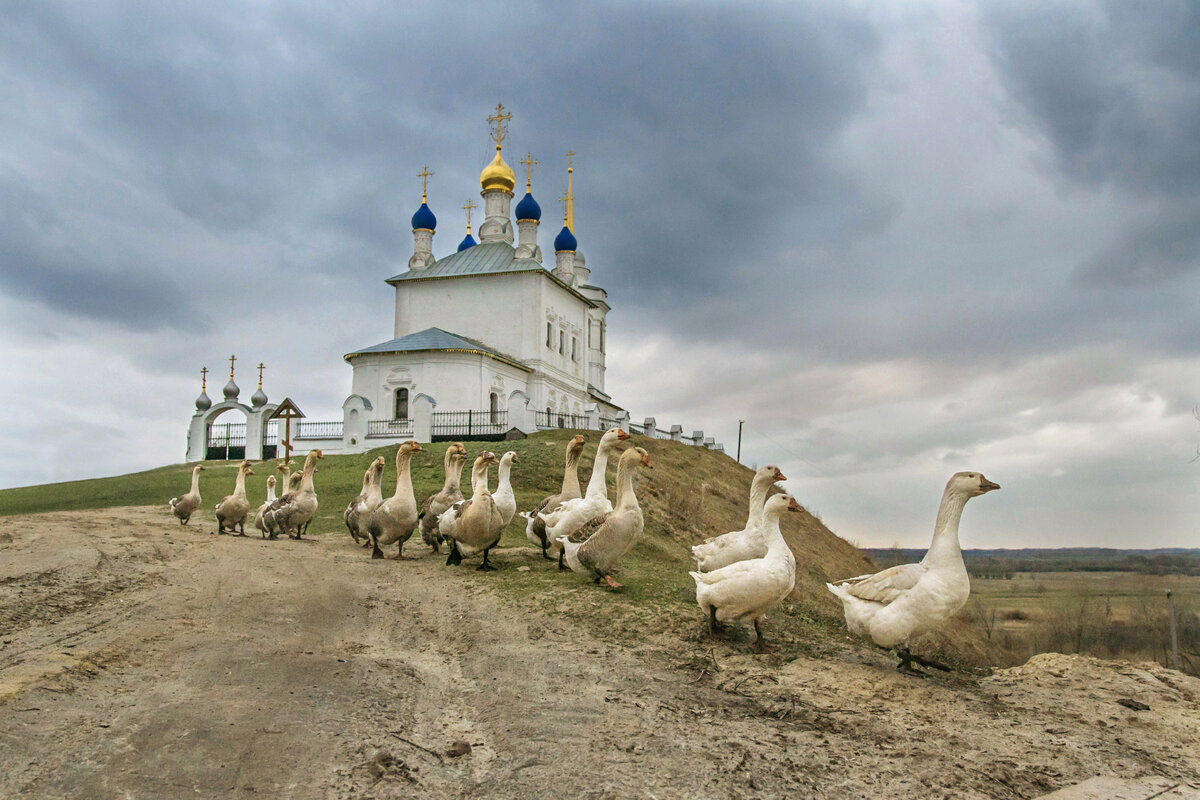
<point x="144" y="660"/>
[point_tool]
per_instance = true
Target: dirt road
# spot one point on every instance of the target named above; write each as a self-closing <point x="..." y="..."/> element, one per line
<point x="145" y="660"/>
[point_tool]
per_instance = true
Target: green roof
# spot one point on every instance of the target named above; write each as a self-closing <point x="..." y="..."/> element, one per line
<point x="437" y="339"/>
<point x="482" y="259"/>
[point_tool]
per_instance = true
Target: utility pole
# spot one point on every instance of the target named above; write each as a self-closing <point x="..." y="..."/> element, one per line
<point x="741" y="422"/>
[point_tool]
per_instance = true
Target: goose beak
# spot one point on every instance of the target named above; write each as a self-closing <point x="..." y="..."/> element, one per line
<point x="987" y="486"/>
<point x="794" y="506"/>
<point x="779" y="476"/>
<point x="622" y="435"/>
<point x="646" y="461"/>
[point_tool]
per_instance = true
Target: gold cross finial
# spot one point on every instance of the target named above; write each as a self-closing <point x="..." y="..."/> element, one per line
<point x="424" y="175"/>
<point x="468" y="207"/>
<point x="569" y="198"/>
<point x="203" y="378"/>
<point x="570" y="161"/>
<point x="260" y="369"/>
<point x="231" y="360"/>
<point x="498" y="120"/>
<point x="529" y="162"/>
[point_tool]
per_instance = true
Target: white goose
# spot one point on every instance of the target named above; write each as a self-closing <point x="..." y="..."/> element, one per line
<point x="506" y="501"/>
<point x="185" y="505"/>
<point x="750" y="541"/>
<point x="535" y="527"/>
<point x="258" y="516"/>
<point x="746" y="590"/>
<point x="901" y="603"/>
<point x="574" y="514"/>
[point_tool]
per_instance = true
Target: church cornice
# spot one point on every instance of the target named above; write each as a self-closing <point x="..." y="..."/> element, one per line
<point x="398" y="281"/>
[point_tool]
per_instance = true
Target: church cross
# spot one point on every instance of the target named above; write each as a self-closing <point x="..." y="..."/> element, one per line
<point x="424" y="175"/>
<point x="570" y="160"/>
<point x="260" y="369"/>
<point x="231" y="360"/>
<point x="203" y="378"/>
<point x="468" y="207"/>
<point x="529" y="161"/>
<point x="499" y="119"/>
<point x="565" y="197"/>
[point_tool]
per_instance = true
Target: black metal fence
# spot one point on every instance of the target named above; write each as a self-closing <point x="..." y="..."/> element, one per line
<point x="226" y="442"/>
<point x="390" y="427"/>
<point x="547" y="420"/>
<point x="318" y="430"/>
<point x="468" y="425"/>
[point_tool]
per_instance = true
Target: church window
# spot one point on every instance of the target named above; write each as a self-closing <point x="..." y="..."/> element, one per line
<point x="601" y="337"/>
<point x="562" y="342"/>
<point x="494" y="408"/>
<point x="549" y="335"/>
<point x="589" y="333"/>
<point x="401" y="411"/>
<point x="574" y="348"/>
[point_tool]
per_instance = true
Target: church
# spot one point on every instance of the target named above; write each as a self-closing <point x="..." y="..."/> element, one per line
<point x="488" y="341"/>
<point x="492" y="327"/>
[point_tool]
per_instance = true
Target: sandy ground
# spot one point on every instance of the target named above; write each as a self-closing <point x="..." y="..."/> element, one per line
<point x="145" y="660"/>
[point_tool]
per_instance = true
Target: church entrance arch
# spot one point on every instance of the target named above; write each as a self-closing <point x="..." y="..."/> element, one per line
<point x="225" y="440"/>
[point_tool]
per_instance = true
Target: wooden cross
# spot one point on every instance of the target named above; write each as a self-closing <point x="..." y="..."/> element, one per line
<point x="231" y="360"/>
<point x="260" y="369"/>
<point x="425" y="174"/>
<point x="529" y="163"/>
<point x="203" y="378"/>
<point x="468" y="208"/>
<point x="499" y="118"/>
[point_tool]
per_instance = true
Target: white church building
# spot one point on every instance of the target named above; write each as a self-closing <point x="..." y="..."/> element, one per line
<point x="490" y="340"/>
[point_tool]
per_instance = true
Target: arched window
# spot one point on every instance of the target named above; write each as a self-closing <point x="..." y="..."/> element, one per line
<point x="401" y="410"/>
<point x="562" y="342"/>
<point x="494" y="407"/>
<point x="574" y="348"/>
<point x="549" y="335"/>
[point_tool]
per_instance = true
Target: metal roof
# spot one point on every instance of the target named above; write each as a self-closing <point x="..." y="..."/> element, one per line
<point x="437" y="339"/>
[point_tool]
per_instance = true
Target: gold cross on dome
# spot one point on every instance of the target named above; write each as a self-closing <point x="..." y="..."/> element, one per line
<point x="424" y="175"/>
<point x="499" y="132"/>
<point x="260" y="369"/>
<point x="231" y="360"/>
<point x="570" y="160"/>
<point x="529" y="161"/>
<point x="468" y="207"/>
<point x="203" y="378"/>
<point x="563" y="200"/>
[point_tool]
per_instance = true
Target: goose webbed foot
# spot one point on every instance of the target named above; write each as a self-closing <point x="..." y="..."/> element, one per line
<point x="485" y="566"/>
<point x="760" y="645"/>
<point x="612" y="584"/>
<point x="562" y="566"/>
<point x="715" y="629"/>
<point x="545" y="555"/>
<point x="905" y="667"/>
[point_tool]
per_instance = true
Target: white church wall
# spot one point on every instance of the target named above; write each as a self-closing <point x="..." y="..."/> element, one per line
<point x="492" y="309"/>
<point x="457" y="381"/>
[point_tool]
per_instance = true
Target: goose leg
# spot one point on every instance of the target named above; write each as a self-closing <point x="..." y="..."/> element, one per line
<point x="925" y="662"/>
<point x="544" y="555"/>
<point x="375" y="551"/>
<point x="400" y="553"/>
<point x="454" y="558"/>
<point x="562" y="567"/>
<point x="485" y="566"/>
<point x="715" y="629"/>
<point x="906" y="666"/>
<point x="761" y="645"/>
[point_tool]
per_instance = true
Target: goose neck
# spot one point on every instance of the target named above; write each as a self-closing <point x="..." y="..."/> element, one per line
<point x="626" y="497"/>
<point x="945" y="548"/>
<point x="195" y="482"/>
<point x="454" y="467"/>
<point x="570" y="482"/>
<point x="306" y="478"/>
<point x="598" y="482"/>
<point x="504" y="478"/>
<point x="759" y="488"/>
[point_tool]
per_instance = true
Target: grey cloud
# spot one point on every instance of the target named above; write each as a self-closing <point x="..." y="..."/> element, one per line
<point x="1162" y="251"/>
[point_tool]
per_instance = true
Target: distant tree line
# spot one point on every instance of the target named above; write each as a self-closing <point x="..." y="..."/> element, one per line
<point x="1003" y="564"/>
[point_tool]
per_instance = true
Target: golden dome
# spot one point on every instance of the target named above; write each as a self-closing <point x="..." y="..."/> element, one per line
<point x="498" y="175"/>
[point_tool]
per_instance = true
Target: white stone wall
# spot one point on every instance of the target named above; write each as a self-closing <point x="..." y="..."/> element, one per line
<point x="457" y="381"/>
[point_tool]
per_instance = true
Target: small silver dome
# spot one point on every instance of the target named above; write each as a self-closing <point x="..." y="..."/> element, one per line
<point x="580" y="259"/>
<point x="202" y="402"/>
<point x="259" y="398"/>
<point x="231" y="390"/>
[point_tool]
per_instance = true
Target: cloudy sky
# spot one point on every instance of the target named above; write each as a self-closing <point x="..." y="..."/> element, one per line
<point x="898" y="239"/>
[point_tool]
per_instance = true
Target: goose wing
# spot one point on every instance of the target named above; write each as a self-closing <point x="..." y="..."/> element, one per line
<point x="884" y="587"/>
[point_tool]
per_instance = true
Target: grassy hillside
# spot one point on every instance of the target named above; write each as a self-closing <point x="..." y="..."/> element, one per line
<point x="691" y="494"/>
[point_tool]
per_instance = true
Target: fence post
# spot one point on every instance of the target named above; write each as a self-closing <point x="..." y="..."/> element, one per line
<point x="676" y="433"/>
<point x="649" y="426"/>
<point x="1174" y="636"/>
<point x="623" y="421"/>
<point x="423" y="406"/>
<point x="592" y="412"/>
<point x="697" y="438"/>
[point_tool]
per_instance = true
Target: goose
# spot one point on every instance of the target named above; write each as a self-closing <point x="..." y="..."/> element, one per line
<point x="448" y="519"/>
<point x="293" y="486"/>
<point x="611" y="535"/>
<point x="899" y="604"/>
<point x="183" y="507"/>
<point x="367" y="501"/>
<point x="535" y="526"/>
<point x="435" y="504"/>
<point x="479" y="524"/>
<point x="395" y="518"/>
<point x="573" y="514"/>
<point x="746" y="590"/>
<point x="749" y="542"/>
<point x="258" y="516"/>
<point x="232" y="510"/>
<point x="506" y="501"/>
<point x="293" y="512"/>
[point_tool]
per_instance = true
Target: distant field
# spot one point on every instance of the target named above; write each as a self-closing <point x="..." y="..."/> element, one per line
<point x="1109" y="614"/>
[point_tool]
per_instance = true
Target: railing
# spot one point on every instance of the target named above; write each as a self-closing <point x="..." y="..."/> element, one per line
<point x="390" y="427"/>
<point x="635" y="428"/>
<point x="608" y="423"/>
<point x="659" y="433"/>
<point x="549" y="420"/>
<point x="468" y="424"/>
<point x="319" y="430"/>
<point x="272" y="434"/>
<point x="230" y="434"/>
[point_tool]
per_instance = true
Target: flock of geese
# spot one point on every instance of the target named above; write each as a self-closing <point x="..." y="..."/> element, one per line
<point x="740" y="575"/>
